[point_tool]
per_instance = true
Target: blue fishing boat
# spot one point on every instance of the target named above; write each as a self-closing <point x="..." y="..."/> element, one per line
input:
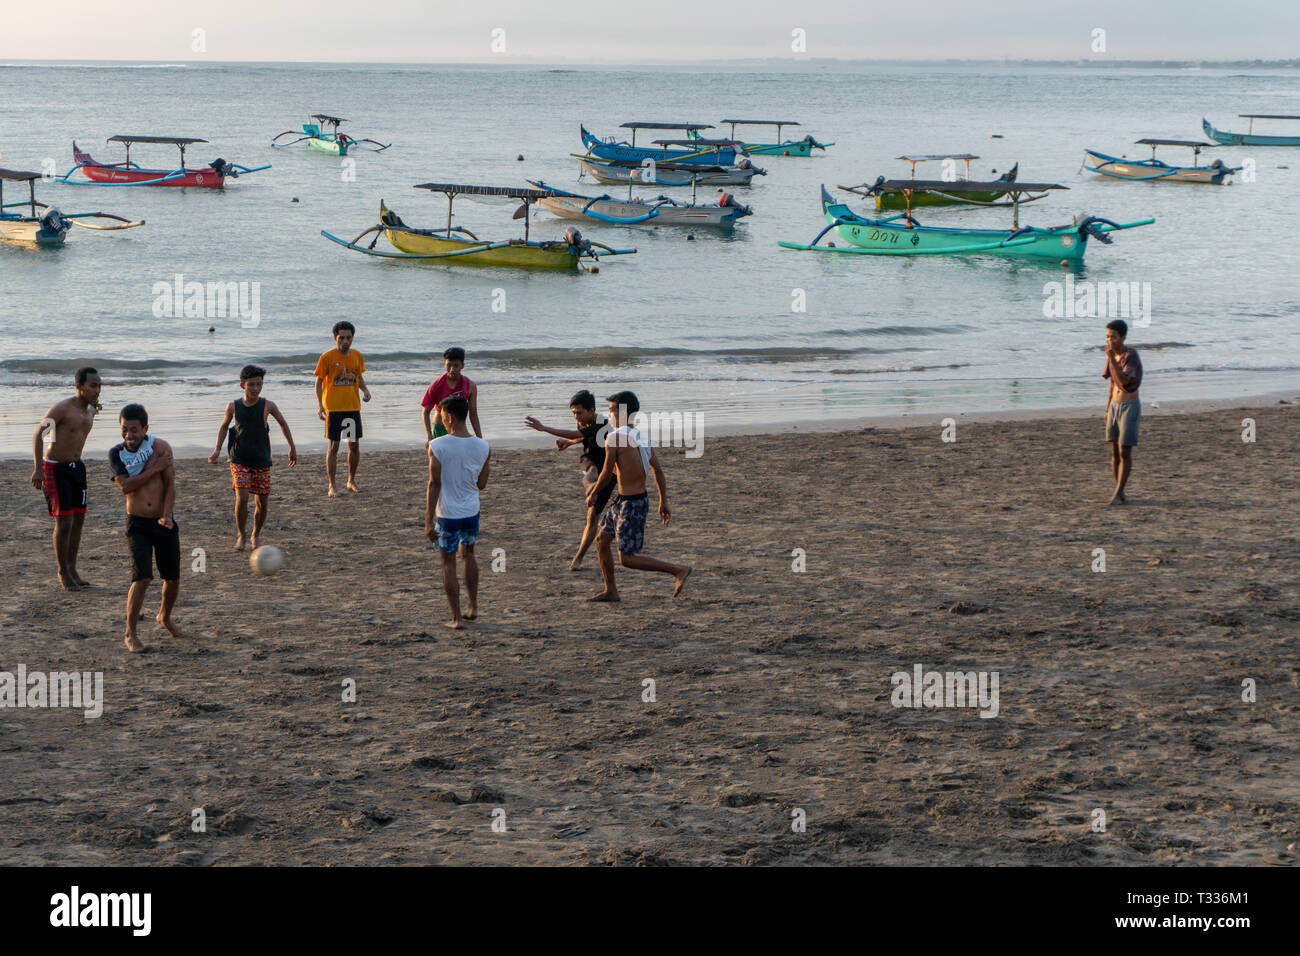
<point x="707" y="152"/>
<point x="1250" y="137"/>
<point x="902" y="235"/>
<point x="1155" y="170"/>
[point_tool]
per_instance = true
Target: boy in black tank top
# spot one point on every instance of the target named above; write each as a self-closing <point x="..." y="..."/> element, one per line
<point x="246" y="422"/>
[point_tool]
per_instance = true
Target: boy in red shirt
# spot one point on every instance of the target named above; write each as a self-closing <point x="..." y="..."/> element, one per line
<point x="452" y="382"/>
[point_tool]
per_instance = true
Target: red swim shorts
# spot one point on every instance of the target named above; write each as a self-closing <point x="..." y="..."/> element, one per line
<point x="254" y="480"/>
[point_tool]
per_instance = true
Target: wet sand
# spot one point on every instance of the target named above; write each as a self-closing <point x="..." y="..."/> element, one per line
<point x="1119" y="690"/>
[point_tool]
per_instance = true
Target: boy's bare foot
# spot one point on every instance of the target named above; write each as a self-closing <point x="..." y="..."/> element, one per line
<point x="67" y="582"/>
<point x="167" y="623"/>
<point x="454" y="625"/>
<point x="239" y="543"/>
<point x="133" y="643"/>
<point x="681" y="581"/>
<point x="252" y="542"/>
<point x="471" y="614"/>
<point x="352" y="487"/>
<point x="1117" y="499"/>
<point x="332" y="492"/>
<point x="575" y="564"/>
<point x="81" y="582"/>
<point x="604" y="596"/>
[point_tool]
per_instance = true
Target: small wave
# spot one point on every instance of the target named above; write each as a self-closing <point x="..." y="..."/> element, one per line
<point x="1146" y="346"/>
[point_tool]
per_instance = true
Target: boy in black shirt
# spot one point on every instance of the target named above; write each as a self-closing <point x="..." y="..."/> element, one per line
<point x="587" y="434"/>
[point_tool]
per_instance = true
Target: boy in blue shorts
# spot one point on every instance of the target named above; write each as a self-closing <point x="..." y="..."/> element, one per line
<point x="458" y="471"/>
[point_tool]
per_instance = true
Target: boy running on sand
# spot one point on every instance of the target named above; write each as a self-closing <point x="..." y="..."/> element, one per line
<point x="583" y="407"/>
<point x="628" y="452"/>
<point x="1123" y="408"/>
<point x="60" y="473"/>
<point x="144" y="471"/>
<point x="340" y="390"/>
<point x="246" y="420"/>
<point x="458" y="471"/>
<point x="450" y="383"/>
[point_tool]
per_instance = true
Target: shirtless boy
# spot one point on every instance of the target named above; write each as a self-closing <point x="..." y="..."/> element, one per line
<point x="144" y="471"/>
<point x="628" y="453"/>
<point x="247" y="420"/>
<point x="60" y="473"/>
<point x="583" y="407"/>
<point x="1123" y="408"/>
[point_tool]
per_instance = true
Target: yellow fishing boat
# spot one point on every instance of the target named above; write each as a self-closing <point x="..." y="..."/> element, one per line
<point x="456" y="245"/>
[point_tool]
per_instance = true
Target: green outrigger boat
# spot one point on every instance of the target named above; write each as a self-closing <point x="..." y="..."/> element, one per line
<point x="894" y="198"/>
<point x="902" y="235"/>
<point x="327" y="140"/>
<point x="788" y="147"/>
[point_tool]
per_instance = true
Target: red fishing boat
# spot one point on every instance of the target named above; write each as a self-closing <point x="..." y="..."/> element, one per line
<point x="127" y="173"/>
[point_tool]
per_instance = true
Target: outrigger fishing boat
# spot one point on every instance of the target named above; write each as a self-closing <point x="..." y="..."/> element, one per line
<point x="789" y="147"/>
<point x="456" y="245"/>
<point x="1117" y="167"/>
<point x="1250" y="137"/>
<point x="127" y="173"/>
<point x="895" y="199"/>
<point x="706" y="152"/>
<point x="48" y="228"/>
<point x="330" y="140"/>
<point x="902" y="235"/>
<point x="650" y="173"/>
<point x="661" y="210"/>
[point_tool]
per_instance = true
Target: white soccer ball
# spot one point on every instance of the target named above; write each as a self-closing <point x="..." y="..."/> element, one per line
<point x="267" y="559"/>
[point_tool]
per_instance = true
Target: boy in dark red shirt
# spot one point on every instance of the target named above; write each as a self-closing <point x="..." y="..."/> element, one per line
<point x="450" y="383"/>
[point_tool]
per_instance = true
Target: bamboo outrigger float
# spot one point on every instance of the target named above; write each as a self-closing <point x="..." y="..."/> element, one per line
<point x="127" y="173"/>
<point x="1250" y="137"/>
<point x="45" y="229"/>
<point x="902" y="235"/>
<point x="327" y="140"/>
<point x="788" y="147"/>
<point x="455" y="245"/>
<point x="1155" y="170"/>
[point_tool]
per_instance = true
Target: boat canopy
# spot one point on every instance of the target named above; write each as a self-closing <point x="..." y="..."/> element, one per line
<point x="1267" y="116"/>
<point x="130" y="138"/>
<point x="326" y="118"/>
<point x="17" y="176"/>
<point x="926" y="157"/>
<point x="964" y="186"/>
<point x="760" y="122"/>
<point x="694" y="142"/>
<point x="686" y="126"/>
<point x="1194" y="143"/>
<point x="509" y="192"/>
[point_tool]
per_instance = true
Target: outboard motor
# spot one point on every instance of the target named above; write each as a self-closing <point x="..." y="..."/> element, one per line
<point x="222" y="168"/>
<point x="53" y="222"/>
<point x="727" y="200"/>
<point x="573" y="239"/>
<point x="1089" y="226"/>
<point x="747" y="163"/>
<point x="1217" y="164"/>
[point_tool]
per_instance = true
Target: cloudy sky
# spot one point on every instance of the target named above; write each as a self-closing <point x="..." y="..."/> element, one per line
<point x="595" y="31"/>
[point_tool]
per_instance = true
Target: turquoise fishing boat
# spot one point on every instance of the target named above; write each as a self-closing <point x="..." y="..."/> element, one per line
<point x="788" y="147"/>
<point x="1250" y="137"/>
<point x="902" y="235"/>
<point x="1156" y="170"/>
<point x="698" y="151"/>
<point x="327" y="140"/>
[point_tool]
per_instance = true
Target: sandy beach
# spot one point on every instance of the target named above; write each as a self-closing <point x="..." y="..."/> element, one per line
<point x="1120" y="691"/>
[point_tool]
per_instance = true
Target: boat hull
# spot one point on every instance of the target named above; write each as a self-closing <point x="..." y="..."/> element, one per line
<point x="724" y="156"/>
<point x="30" y="232"/>
<point x="634" y="213"/>
<point x="518" y="254"/>
<point x="800" y="148"/>
<point x="623" y="175"/>
<point x="1158" y="172"/>
<point x="330" y="146"/>
<point x="890" y="238"/>
<point x="1247" y="139"/>
<point x="892" y="199"/>
<point x="204" y="178"/>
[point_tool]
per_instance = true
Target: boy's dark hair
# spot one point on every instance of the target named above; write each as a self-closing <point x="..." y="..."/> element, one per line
<point x="344" y="326"/>
<point x="583" y="399"/>
<point x="134" y="413"/>
<point x="454" y="354"/>
<point x="457" y="406"/>
<point x="251" y="371"/>
<point x="84" y="373"/>
<point x="627" y="399"/>
<point x="1119" y="325"/>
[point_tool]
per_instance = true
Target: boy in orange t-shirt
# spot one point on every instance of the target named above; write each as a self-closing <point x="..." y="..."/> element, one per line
<point x="340" y="390"/>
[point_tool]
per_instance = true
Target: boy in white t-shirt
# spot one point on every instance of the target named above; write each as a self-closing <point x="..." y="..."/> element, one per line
<point x="458" y="471"/>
